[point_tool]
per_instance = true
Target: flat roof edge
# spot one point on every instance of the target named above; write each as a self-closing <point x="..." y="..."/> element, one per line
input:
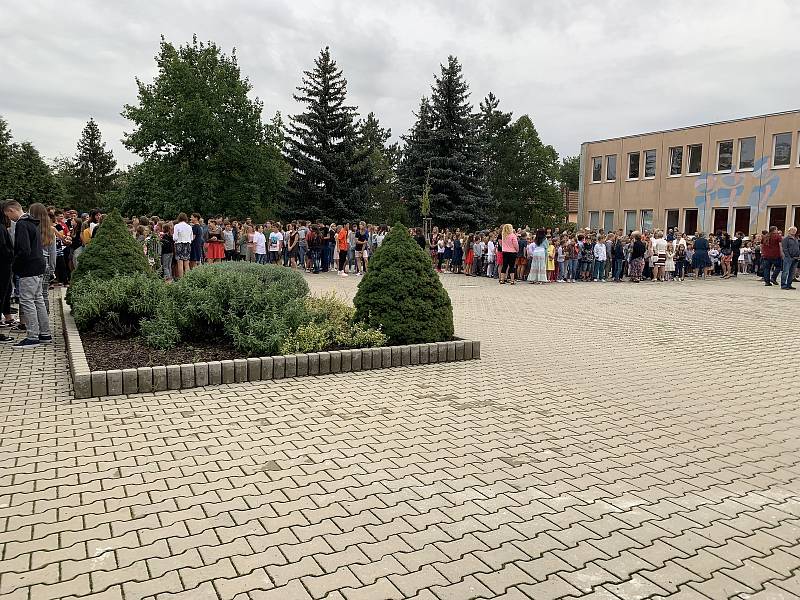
<point x="687" y="127"/>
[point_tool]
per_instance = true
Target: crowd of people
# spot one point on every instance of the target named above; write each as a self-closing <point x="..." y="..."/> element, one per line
<point x="40" y="247"/>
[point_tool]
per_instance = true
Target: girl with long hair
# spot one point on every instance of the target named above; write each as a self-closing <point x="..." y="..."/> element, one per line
<point x="509" y="245"/>
<point x="38" y="211"/>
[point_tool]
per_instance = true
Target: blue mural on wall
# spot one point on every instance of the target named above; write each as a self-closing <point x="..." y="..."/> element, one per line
<point x="716" y="190"/>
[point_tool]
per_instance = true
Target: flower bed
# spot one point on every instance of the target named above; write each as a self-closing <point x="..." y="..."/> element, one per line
<point x="88" y="383"/>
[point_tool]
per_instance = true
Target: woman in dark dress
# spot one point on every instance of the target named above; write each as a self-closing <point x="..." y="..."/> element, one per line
<point x="726" y="254"/>
<point x="701" y="261"/>
<point x="636" y="266"/>
<point x="196" y="250"/>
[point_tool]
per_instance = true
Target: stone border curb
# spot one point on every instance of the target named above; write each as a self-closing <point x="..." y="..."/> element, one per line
<point x="90" y="384"/>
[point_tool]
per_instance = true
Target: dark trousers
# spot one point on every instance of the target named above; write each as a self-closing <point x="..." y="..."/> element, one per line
<point x="5" y="292"/>
<point x="342" y="259"/>
<point x="735" y="263"/>
<point x="771" y="266"/>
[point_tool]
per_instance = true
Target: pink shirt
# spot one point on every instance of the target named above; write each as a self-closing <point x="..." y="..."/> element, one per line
<point x="511" y="244"/>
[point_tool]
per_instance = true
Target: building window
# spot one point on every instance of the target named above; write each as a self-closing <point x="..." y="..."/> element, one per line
<point x="594" y="219"/>
<point x="633" y="165"/>
<point x="747" y="153"/>
<point x="611" y="167"/>
<point x="725" y="156"/>
<point x="649" y="164"/>
<point x="782" y="150"/>
<point x="597" y="169"/>
<point x="671" y="219"/>
<point x="675" y="161"/>
<point x="647" y="220"/>
<point x="608" y="221"/>
<point x="630" y="221"/>
<point x="777" y="217"/>
<point x="695" y="163"/>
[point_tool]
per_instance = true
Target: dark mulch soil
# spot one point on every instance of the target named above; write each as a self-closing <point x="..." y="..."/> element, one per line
<point x="104" y="352"/>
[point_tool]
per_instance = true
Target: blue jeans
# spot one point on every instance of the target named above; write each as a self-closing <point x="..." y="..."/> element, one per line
<point x="618" y="264"/>
<point x="261" y="259"/>
<point x="771" y="267"/>
<point x="301" y="255"/>
<point x="572" y="270"/>
<point x="315" y="259"/>
<point x="788" y="271"/>
<point x="599" y="270"/>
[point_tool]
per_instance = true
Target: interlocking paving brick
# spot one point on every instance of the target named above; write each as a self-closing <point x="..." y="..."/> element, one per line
<point x="421" y="481"/>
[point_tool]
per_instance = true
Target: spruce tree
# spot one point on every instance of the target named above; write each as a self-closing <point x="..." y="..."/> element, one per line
<point x="94" y="168"/>
<point x="328" y="175"/>
<point x="6" y="150"/>
<point x="458" y="185"/>
<point x="416" y="159"/>
<point x="28" y="178"/>
<point x="380" y="170"/>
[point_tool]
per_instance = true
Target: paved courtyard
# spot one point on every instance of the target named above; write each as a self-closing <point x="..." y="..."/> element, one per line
<point x="614" y="442"/>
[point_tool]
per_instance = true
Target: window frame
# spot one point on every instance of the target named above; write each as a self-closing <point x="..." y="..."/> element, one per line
<point x="739" y="167"/>
<point x="638" y="155"/>
<point x="594" y="160"/>
<point x="594" y="212"/>
<point x="689" y="159"/>
<point x="613" y="217"/>
<point x="719" y="149"/>
<point x="774" y="145"/>
<point x="671" y="151"/>
<point x="614" y="156"/>
<point x="642" y="212"/>
<point x="625" y="220"/>
<point x="655" y="164"/>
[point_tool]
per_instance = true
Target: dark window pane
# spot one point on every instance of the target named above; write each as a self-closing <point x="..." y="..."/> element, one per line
<point x="695" y="158"/>
<point x="747" y="153"/>
<point x="650" y="163"/>
<point x="597" y="168"/>
<point x="725" y="158"/>
<point x="633" y="165"/>
<point x="676" y="160"/>
<point x="783" y="149"/>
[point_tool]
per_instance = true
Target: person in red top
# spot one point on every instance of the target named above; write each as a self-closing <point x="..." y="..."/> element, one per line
<point x="343" y="246"/>
<point x="771" y="256"/>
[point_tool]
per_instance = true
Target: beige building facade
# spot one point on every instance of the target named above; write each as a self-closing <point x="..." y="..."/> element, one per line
<point x="739" y="175"/>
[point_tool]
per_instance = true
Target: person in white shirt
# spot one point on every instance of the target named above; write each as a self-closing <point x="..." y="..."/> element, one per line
<point x="260" y="245"/>
<point x="491" y="258"/>
<point x="600" y="253"/>
<point x="183" y="237"/>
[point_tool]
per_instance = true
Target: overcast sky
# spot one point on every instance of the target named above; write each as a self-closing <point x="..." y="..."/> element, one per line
<point x="581" y="70"/>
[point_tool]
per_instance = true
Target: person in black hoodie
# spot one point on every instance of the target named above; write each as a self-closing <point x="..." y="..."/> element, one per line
<point x="29" y="266"/>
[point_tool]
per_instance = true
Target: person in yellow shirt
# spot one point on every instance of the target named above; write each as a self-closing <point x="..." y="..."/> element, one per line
<point x="551" y="261"/>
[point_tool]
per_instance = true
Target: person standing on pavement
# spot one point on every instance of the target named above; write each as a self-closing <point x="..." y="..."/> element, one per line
<point x="29" y="266"/>
<point x="771" y="256"/>
<point x="790" y="249"/>
<point x="736" y="249"/>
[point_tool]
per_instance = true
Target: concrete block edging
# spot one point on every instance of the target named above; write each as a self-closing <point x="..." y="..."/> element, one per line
<point x="92" y="384"/>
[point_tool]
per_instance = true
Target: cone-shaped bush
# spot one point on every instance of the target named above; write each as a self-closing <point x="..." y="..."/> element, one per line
<point x="402" y="294"/>
<point x="112" y="251"/>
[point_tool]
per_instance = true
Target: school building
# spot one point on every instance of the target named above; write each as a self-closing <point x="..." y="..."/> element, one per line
<point x="739" y="175"/>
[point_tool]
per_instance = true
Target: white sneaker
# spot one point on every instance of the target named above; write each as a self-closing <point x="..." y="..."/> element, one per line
<point x="596" y="280"/>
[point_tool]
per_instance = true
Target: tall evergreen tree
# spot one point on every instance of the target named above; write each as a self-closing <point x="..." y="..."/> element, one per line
<point x="203" y="142"/>
<point x="383" y="200"/>
<point x="498" y="154"/>
<point x="415" y="159"/>
<point x="94" y="168"/>
<point x="328" y="173"/>
<point x="457" y="180"/>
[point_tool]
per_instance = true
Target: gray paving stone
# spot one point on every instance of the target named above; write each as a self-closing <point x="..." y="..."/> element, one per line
<point x="313" y="363"/>
<point x="201" y="374"/>
<point x="278" y="367"/>
<point x="336" y="361"/>
<point x="228" y="371"/>
<point x="130" y="381"/>
<point x="459" y="350"/>
<point x="302" y="365"/>
<point x="290" y="368"/>
<point x="413" y="354"/>
<point x="253" y="369"/>
<point x="214" y="373"/>
<point x="114" y="382"/>
<point x="266" y="367"/>
<point x="324" y="363"/>
<point x="240" y="370"/>
<point x="187" y="376"/>
<point x="160" y="378"/>
<point x="144" y="379"/>
<point x="396" y="356"/>
<point x="99" y="387"/>
<point x="346" y="361"/>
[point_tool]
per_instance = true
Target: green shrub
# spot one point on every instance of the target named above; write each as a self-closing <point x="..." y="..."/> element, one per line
<point x="330" y="326"/>
<point x="251" y="307"/>
<point x="112" y="251"/>
<point x="402" y="295"/>
<point x="116" y="305"/>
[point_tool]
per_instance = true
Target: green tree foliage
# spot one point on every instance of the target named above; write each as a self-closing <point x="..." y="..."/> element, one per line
<point x="522" y="172"/>
<point x="451" y="149"/>
<point x="569" y="173"/>
<point x="6" y="150"/>
<point x="94" y="169"/>
<point x="28" y="178"/>
<point x="204" y="145"/>
<point x="384" y="205"/>
<point x="402" y="295"/>
<point x="112" y="251"/>
<point x="414" y="168"/>
<point x="329" y="171"/>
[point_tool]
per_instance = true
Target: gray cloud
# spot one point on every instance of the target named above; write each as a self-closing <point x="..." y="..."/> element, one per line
<point x="581" y="70"/>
